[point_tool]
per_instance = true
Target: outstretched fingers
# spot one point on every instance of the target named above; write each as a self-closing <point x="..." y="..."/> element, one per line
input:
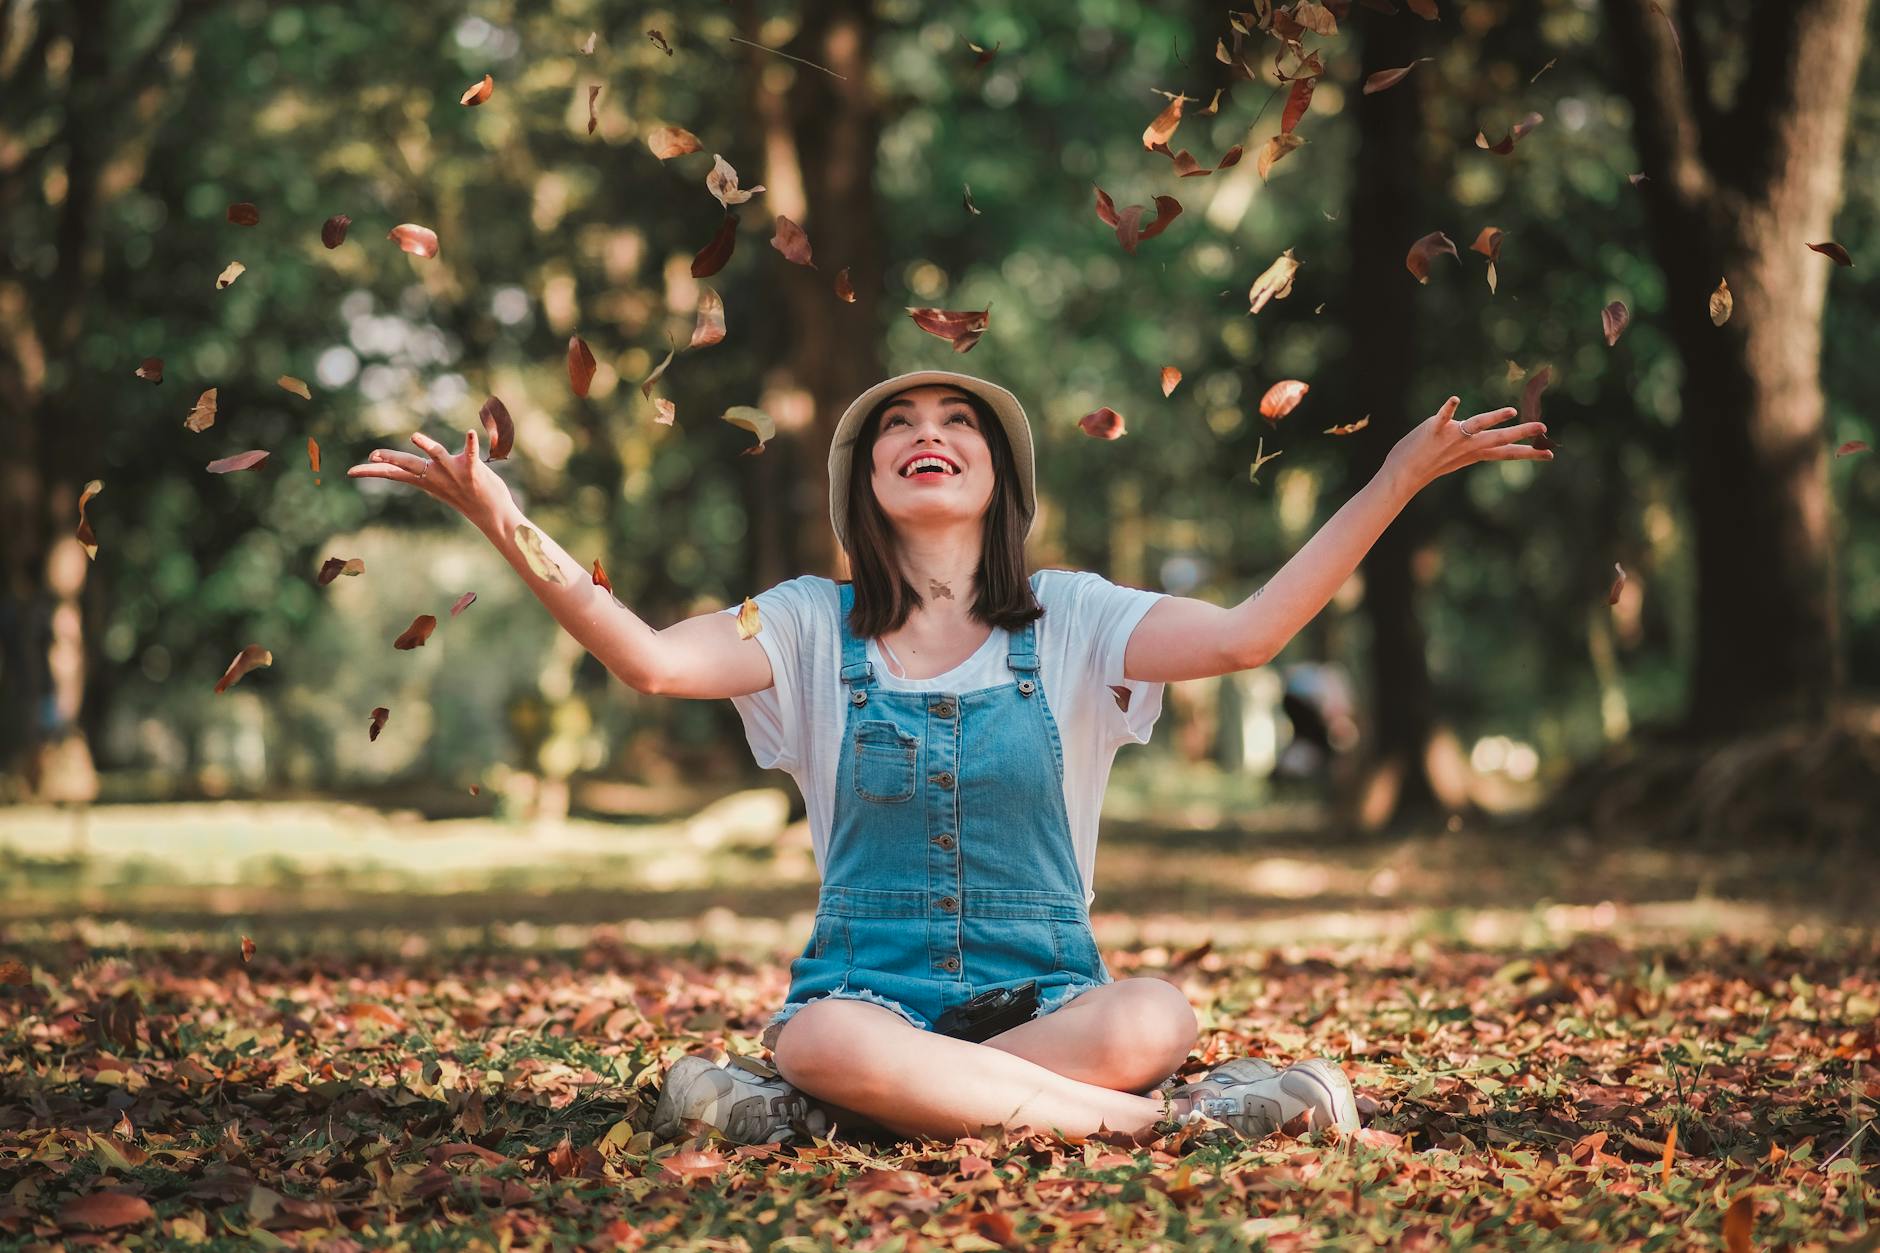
<point x="432" y="449"/>
<point x="1448" y="410"/>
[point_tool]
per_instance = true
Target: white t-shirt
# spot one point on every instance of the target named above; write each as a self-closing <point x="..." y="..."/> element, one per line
<point x="796" y="724"/>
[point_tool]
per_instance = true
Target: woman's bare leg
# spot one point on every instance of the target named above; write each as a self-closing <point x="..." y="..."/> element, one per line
<point x="869" y="1060"/>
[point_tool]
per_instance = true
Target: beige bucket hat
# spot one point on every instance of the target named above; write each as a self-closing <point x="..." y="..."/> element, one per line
<point x="1011" y="416"/>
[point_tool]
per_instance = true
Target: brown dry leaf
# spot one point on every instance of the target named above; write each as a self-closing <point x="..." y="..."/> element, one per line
<point x="202" y="416"/>
<point x="333" y="230"/>
<point x="1298" y="100"/>
<point x="962" y="327"/>
<point x="499" y="429"/>
<point x="1720" y="303"/>
<point x="722" y="182"/>
<point x="710" y="327"/>
<point x="229" y="274"/>
<point x="1384" y="80"/>
<point x="845" y="290"/>
<point x="414" y="635"/>
<point x="1171" y="379"/>
<point x="748" y="622"/>
<point x="586" y="46"/>
<point x="1274" y="149"/>
<point x="1851" y="447"/>
<point x="668" y="142"/>
<point x="477" y="93"/>
<point x="1275" y="282"/>
<point x="1128" y="223"/>
<point x="1506" y="146"/>
<point x="646" y="384"/>
<point x="754" y="420"/>
<point x="1426" y="250"/>
<point x="594" y="117"/>
<point x="102" y="1211"/>
<point x="535" y="555"/>
<point x="289" y="383"/>
<point x="1122" y="695"/>
<point x="664" y="411"/>
<point x="379" y="714"/>
<point x="1104" y="423"/>
<point x="248" y="949"/>
<point x="659" y="41"/>
<point x="1618" y="584"/>
<point x="333" y="567"/>
<point x="1614" y="318"/>
<point x="463" y="602"/>
<point x="1315" y="18"/>
<point x="14" y="973"/>
<point x="792" y="242"/>
<point x="1738" y="1224"/>
<point x="1187" y="167"/>
<point x="313" y="455"/>
<point x="1834" y="252"/>
<point x="1163" y="126"/>
<point x="247" y="659"/>
<point x="1531" y="395"/>
<point x="1425" y="9"/>
<point x="242" y="213"/>
<point x="712" y="257"/>
<point x="419" y="241"/>
<point x="1350" y="428"/>
<point x="240" y="461"/>
<point x="1282" y="398"/>
<point x="1488" y="243"/>
<point x="966" y="199"/>
<point x="151" y="369"/>
<point x="581" y="365"/>
<point x="599" y="576"/>
<point x="85" y="537"/>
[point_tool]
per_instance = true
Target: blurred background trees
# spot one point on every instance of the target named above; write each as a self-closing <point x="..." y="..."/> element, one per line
<point x="1697" y="457"/>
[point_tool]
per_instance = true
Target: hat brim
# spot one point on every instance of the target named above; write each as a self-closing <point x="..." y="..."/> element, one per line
<point x="1003" y="404"/>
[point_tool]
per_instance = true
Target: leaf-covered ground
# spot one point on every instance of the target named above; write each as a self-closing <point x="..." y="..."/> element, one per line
<point x="477" y="1069"/>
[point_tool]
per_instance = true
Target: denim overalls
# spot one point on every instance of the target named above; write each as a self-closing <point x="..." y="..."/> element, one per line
<point x="950" y="868"/>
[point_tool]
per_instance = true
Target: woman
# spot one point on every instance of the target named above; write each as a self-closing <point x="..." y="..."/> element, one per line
<point x="951" y="723"/>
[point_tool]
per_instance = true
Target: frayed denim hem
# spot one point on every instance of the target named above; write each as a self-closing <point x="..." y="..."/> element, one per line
<point x="775" y="1025"/>
<point x="1053" y="999"/>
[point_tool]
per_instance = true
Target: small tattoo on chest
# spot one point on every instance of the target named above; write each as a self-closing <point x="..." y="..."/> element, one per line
<point x="939" y="590"/>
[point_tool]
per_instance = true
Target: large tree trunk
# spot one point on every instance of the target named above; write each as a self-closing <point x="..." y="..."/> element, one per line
<point x="1736" y="191"/>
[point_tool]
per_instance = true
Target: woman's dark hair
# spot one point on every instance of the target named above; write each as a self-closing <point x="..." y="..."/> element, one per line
<point x="883" y="597"/>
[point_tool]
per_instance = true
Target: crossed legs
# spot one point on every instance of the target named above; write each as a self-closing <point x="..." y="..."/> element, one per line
<point x="1076" y="1071"/>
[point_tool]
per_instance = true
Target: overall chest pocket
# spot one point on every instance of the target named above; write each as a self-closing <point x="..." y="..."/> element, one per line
<point x="883" y="759"/>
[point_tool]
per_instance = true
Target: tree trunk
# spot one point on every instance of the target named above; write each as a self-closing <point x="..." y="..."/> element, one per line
<point x="1736" y="192"/>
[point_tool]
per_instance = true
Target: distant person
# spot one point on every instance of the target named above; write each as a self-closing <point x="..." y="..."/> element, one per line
<point x="1317" y="700"/>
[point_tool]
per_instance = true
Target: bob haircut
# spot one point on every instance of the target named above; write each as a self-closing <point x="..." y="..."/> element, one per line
<point x="883" y="597"/>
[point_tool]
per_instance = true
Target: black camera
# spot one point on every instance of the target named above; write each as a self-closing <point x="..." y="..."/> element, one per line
<point x="989" y="1013"/>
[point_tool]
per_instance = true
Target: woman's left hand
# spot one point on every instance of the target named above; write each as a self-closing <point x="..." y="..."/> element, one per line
<point x="1441" y="444"/>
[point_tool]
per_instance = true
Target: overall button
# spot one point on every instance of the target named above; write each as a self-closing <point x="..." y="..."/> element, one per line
<point x="1026" y="687"/>
<point x="942" y="709"/>
<point x="949" y="903"/>
<point x="944" y="841"/>
<point x="944" y="778"/>
<point x="858" y="698"/>
<point x="951" y="963"/>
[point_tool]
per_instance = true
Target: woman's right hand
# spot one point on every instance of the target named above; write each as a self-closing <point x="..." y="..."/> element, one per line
<point x="460" y="480"/>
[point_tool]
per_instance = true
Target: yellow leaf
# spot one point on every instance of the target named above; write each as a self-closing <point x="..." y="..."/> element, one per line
<point x="748" y="625"/>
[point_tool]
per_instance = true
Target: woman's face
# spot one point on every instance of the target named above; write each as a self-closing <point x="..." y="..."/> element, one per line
<point x="932" y="421"/>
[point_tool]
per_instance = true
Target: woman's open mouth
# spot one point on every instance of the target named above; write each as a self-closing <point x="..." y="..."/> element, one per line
<point x="928" y="468"/>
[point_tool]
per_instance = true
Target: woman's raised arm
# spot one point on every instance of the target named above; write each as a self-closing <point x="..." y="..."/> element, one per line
<point x="700" y="657"/>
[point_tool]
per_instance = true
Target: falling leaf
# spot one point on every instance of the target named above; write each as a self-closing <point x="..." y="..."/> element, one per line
<point x="1298" y="100"/>
<point x="1516" y="372"/>
<point x="1163" y="126"/>
<point x="1274" y="283"/>
<point x="463" y="602"/>
<point x="85" y="536"/>
<point x="586" y="46"/>
<point x="1720" y="303"/>
<point x="962" y="326"/>
<point x="1187" y="167"/>
<point x="240" y="461"/>
<point x="313" y="455"/>
<point x="1171" y="379"/>
<point x="102" y="1211"/>
<point x="599" y="576"/>
<point x="1851" y="447"/>
<point x="1128" y="223"/>
<point x="529" y="543"/>
<point x="1531" y="394"/>
<point x="668" y="142"/>
<point x="379" y="714"/>
<point x="1614" y="318"/>
<point x="243" y="213"/>
<point x="202" y="416"/>
<point x="1834" y="252"/>
<point x="722" y="182"/>
<point x="1253" y="471"/>
<point x="477" y="93"/>
<point x="499" y="429"/>
<point x="1543" y="70"/>
<point x="1384" y="80"/>
<point x="664" y="411"/>
<point x="1274" y="149"/>
<point x="1506" y="146"/>
<point x="333" y="567"/>
<point x="1636" y="179"/>
<point x="1425" y="9"/>
<point x="419" y="241"/>
<point x="333" y="230"/>
<point x="230" y="273"/>
<point x="1104" y="423"/>
<point x="1122" y="695"/>
<point x="659" y="41"/>
<point x="792" y="242"/>
<point x="594" y="117"/>
<point x="1426" y="250"/>
<point x="710" y="327"/>
<point x="748" y="624"/>
<point x="248" y="949"/>
<point x="247" y="659"/>
<point x="1488" y="243"/>
<point x="712" y="257"/>
<point x="1282" y="398"/>
<point x="756" y="421"/>
<point x="1315" y="18"/>
<point x="1618" y="583"/>
<point x="151" y="370"/>
<point x="476" y="789"/>
<point x="288" y="382"/>
<point x="415" y="634"/>
<point x="967" y="199"/>
<point x="1350" y="428"/>
<point x="581" y="365"/>
<point x="983" y="55"/>
<point x="646" y="384"/>
<point x="845" y="290"/>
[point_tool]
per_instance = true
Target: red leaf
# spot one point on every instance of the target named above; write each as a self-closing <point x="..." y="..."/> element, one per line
<point x="600" y="577"/>
<point x="1282" y="398"/>
<point x="712" y="257"/>
<point x="1163" y="126"/>
<point x="1851" y="447"/>
<point x="1384" y="80"/>
<point x="845" y="290"/>
<point x="792" y="242"/>
<point x="1298" y="100"/>
<point x="1104" y="423"/>
<point x="244" y="214"/>
<point x="240" y="461"/>
<point x="1506" y="146"/>
<point x="1614" y="318"/>
<point x="415" y="634"/>
<point x="1127" y="224"/>
<point x="1171" y="378"/>
<point x="248" y="949"/>
<point x="1426" y="250"/>
<point x="151" y="369"/>
<point x="594" y="94"/>
<point x="1531" y="394"/>
<point x="1834" y="251"/>
<point x="962" y="326"/>
<point x="333" y="567"/>
<point x="379" y="715"/>
<point x="333" y="231"/>
<point x="581" y="365"/>
<point x="419" y="241"/>
<point x="247" y="659"/>
<point x="478" y="92"/>
<point x="463" y="602"/>
<point x="499" y="429"/>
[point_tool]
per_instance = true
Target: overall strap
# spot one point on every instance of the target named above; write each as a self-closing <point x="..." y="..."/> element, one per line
<point x="857" y="671"/>
<point x="1022" y="649"/>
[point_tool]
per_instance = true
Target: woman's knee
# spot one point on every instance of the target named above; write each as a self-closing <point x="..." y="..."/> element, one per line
<point x="833" y="1037"/>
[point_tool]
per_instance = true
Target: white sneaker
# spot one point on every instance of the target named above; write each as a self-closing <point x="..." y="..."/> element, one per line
<point x="743" y="1098"/>
<point x="1255" y="1098"/>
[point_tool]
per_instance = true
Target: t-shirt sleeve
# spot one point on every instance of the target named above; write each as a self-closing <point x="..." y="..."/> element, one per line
<point x="1107" y="614"/>
<point x="774" y="718"/>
